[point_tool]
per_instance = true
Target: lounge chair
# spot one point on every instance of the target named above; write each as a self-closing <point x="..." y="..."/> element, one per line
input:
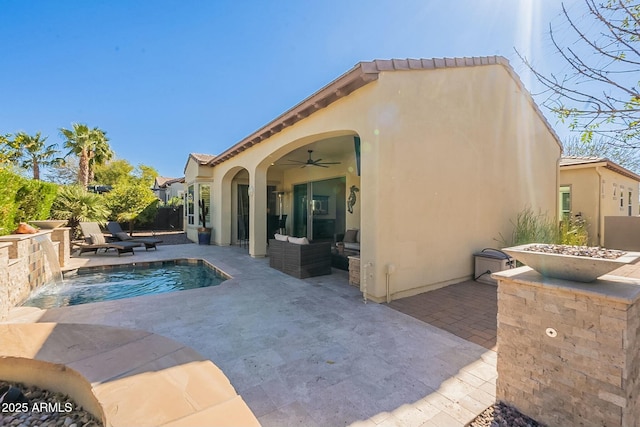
<point x="119" y="235"/>
<point x="94" y="240"/>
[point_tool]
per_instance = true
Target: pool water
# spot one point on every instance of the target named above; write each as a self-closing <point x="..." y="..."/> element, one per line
<point x="124" y="282"/>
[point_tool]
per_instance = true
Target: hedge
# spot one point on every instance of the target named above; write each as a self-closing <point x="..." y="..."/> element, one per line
<point x="22" y="200"/>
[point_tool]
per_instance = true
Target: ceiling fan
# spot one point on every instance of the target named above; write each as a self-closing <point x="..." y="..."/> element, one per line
<point x="311" y="162"/>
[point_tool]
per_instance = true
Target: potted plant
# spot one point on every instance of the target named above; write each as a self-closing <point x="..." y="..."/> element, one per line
<point x="204" y="232"/>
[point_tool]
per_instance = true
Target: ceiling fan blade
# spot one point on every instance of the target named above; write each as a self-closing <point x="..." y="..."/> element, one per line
<point x="297" y="161"/>
<point x="320" y="165"/>
<point x="316" y="161"/>
<point x="328" y="163"/>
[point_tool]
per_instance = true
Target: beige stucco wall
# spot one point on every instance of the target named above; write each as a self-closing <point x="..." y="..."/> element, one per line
<point x="194" y="174"/>
<point x="462" y="152"/>
<point x="449" y="157"/>
<point x="592" y="194"/>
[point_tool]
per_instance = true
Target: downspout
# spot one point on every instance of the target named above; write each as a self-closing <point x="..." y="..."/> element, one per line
<point x="598" y="169"/>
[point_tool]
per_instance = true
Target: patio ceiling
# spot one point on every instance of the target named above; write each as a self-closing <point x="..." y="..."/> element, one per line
<point x="330" y="150"/>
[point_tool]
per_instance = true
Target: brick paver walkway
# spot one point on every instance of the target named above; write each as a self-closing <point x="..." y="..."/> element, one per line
<point x="466" y="309"/>
<point x="469" y="309"/>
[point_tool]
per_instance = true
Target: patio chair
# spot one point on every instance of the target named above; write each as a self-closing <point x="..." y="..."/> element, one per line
<point x="119" y="235"/>
<point x="94" y="240"/>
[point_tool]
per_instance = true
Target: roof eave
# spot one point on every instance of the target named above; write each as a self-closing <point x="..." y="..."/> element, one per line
<point x="350" y="81"/>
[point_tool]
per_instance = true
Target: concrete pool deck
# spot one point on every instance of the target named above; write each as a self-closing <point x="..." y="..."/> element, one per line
<point x="303" y="352"/>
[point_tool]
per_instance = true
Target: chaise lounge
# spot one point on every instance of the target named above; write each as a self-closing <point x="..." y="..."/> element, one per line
<point x="119" y="235"/>
<point x="299" y="259"/>
<point x="94" y="240"/>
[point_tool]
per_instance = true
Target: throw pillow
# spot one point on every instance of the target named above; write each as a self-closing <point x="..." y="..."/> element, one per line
<point x="123" y="236"/>
<point x="298" y="240"/>
<point x="350" y="236"/>
<point x="97" y="239"/>
<point x="281" y="237"/>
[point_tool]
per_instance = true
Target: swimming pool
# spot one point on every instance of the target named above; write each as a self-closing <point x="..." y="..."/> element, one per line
<point x="132" y="280"/>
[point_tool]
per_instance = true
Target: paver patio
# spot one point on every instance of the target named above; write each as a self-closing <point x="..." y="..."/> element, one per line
<point x="305" y="352"/>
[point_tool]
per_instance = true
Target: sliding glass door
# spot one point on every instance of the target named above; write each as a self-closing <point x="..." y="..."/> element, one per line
<point x="319" y="209"/>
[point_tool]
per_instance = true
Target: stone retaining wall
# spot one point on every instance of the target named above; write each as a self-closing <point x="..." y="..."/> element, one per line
<point x="569" y="353"/>
<point x="24" y="266"/>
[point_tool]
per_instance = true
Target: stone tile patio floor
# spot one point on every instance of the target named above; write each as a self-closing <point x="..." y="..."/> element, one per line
<point x="305" y="352"/>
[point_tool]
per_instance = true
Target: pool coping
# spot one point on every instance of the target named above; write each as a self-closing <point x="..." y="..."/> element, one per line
<point x="146" y="264"/>
<point x="134" y="377"/>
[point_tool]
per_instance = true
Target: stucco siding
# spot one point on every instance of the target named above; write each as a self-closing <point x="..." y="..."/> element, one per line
<point x="448" y="159"/>
<point x="584" y="197"/>
<point x="459" y="153"/>
<point x="596" y="193"/>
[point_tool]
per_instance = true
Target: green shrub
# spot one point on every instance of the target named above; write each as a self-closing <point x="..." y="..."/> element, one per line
<point x="75" y="204"/>
<point x="573" y="231"/>
<point x="23" y="200"/>
<point x="9" y="186"/>
<point x="34" y="200"/>
<point x="531" y="227"/>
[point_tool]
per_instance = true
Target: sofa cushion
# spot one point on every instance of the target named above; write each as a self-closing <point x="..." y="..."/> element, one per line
<point x="123" y="236"/>
<point x="298" y="240"/>
<point x="350" y="236"/>
<point x="352" y="246"/>
<point x="281" y="237"/>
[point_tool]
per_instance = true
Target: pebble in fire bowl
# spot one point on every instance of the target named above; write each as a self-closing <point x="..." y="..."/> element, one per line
<point x="49" y="223"/>
<point x="569" y="267"/>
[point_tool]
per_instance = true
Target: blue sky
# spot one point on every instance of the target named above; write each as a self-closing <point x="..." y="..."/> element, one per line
<point x="165" y="78"/>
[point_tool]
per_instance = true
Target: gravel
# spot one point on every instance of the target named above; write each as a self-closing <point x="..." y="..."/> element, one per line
<point x="43" y="408"/>
<point x="503" y="415"/>
<point x="585" y="251"/>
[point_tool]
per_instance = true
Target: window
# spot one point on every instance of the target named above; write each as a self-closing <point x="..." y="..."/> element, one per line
<point x="190" y="211"/>
<point x="621" y="199"/>
<point x="630" y="204"/>
<point x="565" y="203"/>
<point x="204" y="193"/>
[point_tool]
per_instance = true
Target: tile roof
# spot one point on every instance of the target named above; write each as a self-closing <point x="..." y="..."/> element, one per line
<point x="360" y="75"/>
<point x="574" y="162"/>
<point x="580" y="160"/>
<point x="163" y="181"/>
<point x="202" y="158"/>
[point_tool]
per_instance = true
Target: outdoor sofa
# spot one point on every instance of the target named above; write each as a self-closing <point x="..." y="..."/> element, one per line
<point x="300" y="259"/>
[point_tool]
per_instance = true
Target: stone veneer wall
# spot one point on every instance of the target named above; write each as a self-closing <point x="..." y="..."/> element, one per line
<point x="588" y="374"/>
<point x="24" y="266"/>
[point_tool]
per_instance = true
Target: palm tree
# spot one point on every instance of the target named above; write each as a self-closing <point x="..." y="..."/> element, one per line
<point x="90" y="145"/>
<point x="75" y="204"/>
<point x="101" y="154"/>
<point x="34" y="153"/>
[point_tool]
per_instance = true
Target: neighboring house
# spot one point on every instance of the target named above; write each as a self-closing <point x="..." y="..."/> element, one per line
<point x="595" y="187"/>
<point x="444" y="153"/>
<point x="167" y="188"/>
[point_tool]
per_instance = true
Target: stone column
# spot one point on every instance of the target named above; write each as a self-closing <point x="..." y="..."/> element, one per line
<point x="62" y="235"/>
<point x="568" y="352"/>
<point x="5" y="283"/>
